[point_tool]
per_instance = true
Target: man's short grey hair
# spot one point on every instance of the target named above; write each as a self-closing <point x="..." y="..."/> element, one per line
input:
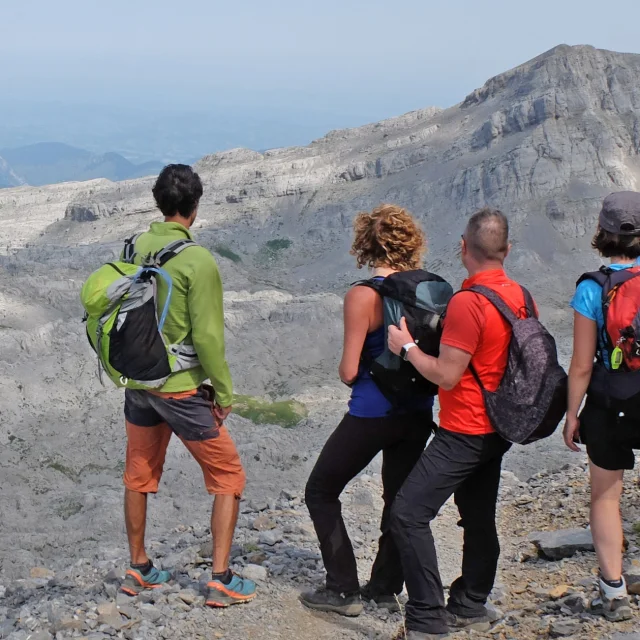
<point x="487" y="235"/>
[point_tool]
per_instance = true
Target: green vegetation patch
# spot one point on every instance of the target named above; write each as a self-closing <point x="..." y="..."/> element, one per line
<point x="63" y="469"/>
<point x="285" y="413"/>
<point x="226" y="252"/>
<point x="273" y="249"/>
<point x="279" y="244"/>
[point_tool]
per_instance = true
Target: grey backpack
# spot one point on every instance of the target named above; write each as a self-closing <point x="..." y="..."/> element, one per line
<point x="531" y="399"/>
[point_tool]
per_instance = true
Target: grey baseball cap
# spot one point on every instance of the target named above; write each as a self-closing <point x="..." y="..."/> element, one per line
<point x="620" y="213"/>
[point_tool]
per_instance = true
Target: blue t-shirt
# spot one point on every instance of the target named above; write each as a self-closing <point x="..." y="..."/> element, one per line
<point x="587" y="301"/>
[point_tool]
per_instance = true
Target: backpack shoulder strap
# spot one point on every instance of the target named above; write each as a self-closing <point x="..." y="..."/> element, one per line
<point x="529" y="303"/>
<point x="476" y="377"/>
<point x="372" y="283"/>
<point x="601" y="276"/>
<point x="504" y="309"/>
<point x="609" y="278"/>
<point x="171" y="251"/>
<point x="617" y="278"/>
<point x="129" y="251"/>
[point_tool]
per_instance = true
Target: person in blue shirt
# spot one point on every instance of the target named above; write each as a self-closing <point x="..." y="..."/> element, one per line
<point x="387" y="240"/>
<point x="610" y="428"/>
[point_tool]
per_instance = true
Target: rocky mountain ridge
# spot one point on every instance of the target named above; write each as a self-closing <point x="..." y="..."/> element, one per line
<point x="544" y="142"/>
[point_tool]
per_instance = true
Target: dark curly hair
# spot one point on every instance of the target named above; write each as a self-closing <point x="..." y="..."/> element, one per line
<point x="612" y="245"/>
<point x="388" y="237"/>
<point x="177" y="190"/>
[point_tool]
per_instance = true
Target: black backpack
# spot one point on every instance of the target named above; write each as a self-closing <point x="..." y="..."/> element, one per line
<point x="421" y="297"/>
<point x="531" y="399"/>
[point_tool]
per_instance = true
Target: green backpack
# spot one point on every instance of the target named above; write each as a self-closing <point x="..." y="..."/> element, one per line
<point x="124" y="324"/>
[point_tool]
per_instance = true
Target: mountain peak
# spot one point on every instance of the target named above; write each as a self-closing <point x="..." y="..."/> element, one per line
<point x="559" y="67"/>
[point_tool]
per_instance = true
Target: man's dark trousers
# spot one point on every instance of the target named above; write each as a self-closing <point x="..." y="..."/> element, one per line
<point x="469" y="468"/>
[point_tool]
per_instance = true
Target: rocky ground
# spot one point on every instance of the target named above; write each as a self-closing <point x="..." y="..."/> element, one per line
<point x="535" y="597"/>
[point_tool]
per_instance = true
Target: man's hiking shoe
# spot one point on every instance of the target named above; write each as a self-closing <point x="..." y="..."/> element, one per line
<point x="420" y="635"/>
<point x="477" y="623"/>
<point x="238" y="591"/>
<point x="383" y="601"/>
<point x="135" y="581"/>
<point x="326" y="600"/>
<point x="613" y="609"/>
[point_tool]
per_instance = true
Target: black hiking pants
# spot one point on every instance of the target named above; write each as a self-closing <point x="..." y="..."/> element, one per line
<point x="469" y="468"/>
<point x="351" y="447"/>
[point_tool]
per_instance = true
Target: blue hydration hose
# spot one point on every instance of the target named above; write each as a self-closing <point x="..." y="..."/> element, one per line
<point x="167" y="278"/>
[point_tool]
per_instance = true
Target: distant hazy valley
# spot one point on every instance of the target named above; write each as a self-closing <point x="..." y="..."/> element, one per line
<point x="42" y="143"/>
<point x="52" y="162"/>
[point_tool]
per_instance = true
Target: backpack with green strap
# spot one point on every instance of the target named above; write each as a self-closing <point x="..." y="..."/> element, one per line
<point x="124" y="324"/>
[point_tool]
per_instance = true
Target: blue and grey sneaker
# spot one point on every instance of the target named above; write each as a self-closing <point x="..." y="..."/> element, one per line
<point x="238" y="591"/>
<point x="135" y="581"/>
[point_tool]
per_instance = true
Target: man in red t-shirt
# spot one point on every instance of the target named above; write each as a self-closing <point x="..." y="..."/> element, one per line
<point x="465" y="456"/>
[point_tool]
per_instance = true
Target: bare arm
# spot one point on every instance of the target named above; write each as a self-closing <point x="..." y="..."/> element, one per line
<point x="445" y="370"/>
<point x="585" y="335"/>
<point x="359" y="305"/>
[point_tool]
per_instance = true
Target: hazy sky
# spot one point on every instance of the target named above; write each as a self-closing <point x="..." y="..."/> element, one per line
<point x="364" y="59"/>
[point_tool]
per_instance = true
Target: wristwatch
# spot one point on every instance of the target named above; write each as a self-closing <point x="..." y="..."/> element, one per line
<point x="404" y="352"/>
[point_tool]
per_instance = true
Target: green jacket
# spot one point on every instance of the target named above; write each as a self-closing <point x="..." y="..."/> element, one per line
<point x="195" y="314"/>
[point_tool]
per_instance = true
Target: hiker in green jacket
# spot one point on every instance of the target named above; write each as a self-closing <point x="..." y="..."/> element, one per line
<point x="183" y="406"/>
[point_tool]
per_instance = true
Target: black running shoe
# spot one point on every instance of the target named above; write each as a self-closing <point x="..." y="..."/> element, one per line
<point x="477" y="623"/>
<point x="420" y="635"/>
<point x="388" y="601"/>
<point x="324" y="599"/>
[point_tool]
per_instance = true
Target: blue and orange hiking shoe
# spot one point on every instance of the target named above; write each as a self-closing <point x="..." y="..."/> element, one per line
<point x="135" y="581"/>
<point x="238" y="591"/>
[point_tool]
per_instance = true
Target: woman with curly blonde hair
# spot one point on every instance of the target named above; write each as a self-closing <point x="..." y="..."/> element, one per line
<point x="388" y="240"/>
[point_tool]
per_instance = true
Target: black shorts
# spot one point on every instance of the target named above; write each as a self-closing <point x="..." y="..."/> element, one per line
<point x="610" y="437"/>
<point x="189" y="417"/>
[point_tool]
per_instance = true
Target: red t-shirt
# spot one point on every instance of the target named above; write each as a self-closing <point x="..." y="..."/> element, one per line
<point x="474" y="325"/>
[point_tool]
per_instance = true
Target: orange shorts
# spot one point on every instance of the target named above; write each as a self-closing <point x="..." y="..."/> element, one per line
<point x="147" y="443"/>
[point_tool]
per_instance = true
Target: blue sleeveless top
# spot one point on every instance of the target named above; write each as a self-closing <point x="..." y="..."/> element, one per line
<point x="367" y="401"/>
